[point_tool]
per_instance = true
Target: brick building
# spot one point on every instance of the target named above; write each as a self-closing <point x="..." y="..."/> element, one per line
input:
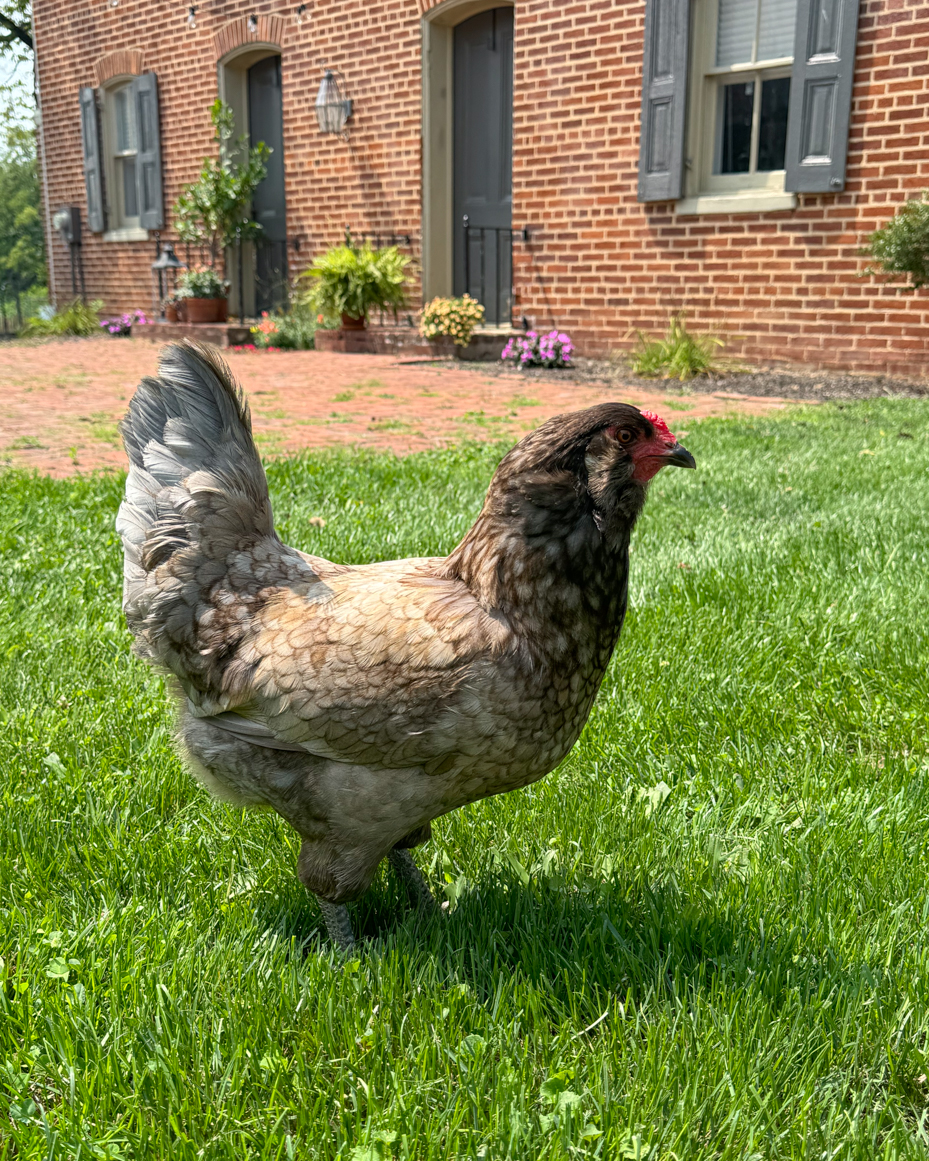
<point x="726" y="157"/>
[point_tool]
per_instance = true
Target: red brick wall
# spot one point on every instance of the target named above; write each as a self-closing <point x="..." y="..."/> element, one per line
<point x="371" y="183"/>
<point x="599" y="264"/>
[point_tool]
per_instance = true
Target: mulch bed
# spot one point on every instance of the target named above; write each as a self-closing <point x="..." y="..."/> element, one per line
<point x="767" y="382"/>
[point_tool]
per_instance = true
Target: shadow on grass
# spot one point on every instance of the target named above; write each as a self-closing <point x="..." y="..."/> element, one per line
<point x="568" y="940"/>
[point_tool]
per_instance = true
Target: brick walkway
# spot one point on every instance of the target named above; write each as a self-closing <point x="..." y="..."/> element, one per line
<point x="61" y="401"/>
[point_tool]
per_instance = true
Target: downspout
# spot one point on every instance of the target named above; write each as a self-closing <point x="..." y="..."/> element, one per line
<point x="40" y="125"/>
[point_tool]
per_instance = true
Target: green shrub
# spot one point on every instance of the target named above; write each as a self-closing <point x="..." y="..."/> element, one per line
<point x="293" y="331"/>
<point x="77" y="318"/>
<point x="679" y="355"/>
<point x="201" y="283"/>
<point x="354" y="280"/>
<point x="900" y="248"/>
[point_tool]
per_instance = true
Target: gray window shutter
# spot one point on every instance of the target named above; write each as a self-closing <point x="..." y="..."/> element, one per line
<point x="93" y="162"/>
<point x="821" y="95"/>
<point x="148" y="162"/>
<point x="664" y="100"/>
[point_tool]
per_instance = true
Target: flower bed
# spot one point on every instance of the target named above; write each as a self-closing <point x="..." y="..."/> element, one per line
<point x="553" y="349"/>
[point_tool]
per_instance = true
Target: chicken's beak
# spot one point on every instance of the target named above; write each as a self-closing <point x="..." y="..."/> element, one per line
<point x="680" y="457"/>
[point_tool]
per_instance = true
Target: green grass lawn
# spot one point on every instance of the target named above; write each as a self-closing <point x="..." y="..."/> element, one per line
<point x="704" y="936"/>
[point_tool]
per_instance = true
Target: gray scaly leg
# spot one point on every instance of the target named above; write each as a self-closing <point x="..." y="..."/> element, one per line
<point x="402" y="862"/>
<point x="338" y="924"/>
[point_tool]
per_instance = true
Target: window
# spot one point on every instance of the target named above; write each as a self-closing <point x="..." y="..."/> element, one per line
<point x="122" y="140"/>
<point x="122" y="158"/>
<point x="741" y="69"/>
<point x="745" y="99"/>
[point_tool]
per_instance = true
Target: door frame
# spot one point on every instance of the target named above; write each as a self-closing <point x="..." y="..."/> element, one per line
<point x="438" y="59"/>
<point x="232" y="84"/>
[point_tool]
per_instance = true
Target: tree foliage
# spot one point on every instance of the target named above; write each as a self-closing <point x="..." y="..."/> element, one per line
<point x="900" y="249"/>
<point x="22" y="241"/>
<point x="16" y="28"/>
<point x="215" y="210"/>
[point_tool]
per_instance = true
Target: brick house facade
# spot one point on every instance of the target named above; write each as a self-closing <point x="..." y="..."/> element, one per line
<point x="778" y="270"/>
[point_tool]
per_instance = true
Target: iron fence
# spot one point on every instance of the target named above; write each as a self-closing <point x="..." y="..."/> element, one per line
<point x="488" y="268"/>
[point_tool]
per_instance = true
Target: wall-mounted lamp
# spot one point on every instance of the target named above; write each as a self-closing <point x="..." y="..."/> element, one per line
<point x="332" y="109"/>
<point x="300" y="16"/>
<point x="252" y="24"/>
<point x="192" y="18"/>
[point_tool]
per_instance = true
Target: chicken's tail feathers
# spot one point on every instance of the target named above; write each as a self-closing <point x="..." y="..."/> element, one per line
<point x="196" y="489"/>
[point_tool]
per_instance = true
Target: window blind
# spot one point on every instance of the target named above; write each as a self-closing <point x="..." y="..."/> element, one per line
<point x="740" y="22"/>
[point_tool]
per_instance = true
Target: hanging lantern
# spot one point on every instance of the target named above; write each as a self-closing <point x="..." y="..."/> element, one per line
<point x="332" y="109"/>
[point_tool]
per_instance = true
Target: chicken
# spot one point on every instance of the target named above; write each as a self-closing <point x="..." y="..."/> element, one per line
<point x="362" y="702"/>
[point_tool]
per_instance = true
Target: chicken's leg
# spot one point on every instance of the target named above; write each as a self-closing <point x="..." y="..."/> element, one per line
<point x="338" y="924"/>
<point x="402" y="862"/>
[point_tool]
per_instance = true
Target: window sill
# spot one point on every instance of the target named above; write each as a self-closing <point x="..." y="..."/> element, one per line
<point x="755" y="202"/>
<point x="126" y="234"/>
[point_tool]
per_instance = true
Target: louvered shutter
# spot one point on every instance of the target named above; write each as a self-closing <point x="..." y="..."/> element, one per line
<point x="148" y="161"/>
<point x="93" y="162"/>
<point x="664" y="100"/>
<point x="821" y="95"/>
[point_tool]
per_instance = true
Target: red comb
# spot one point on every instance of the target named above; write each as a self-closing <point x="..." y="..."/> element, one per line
<point x="661" y="428"/>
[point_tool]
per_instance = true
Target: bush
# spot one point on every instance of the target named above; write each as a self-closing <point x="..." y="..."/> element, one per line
<point x="201" y="283"/>
<point x="294" y="331"/>
<point x="78" y="318"/>
<point x="454" y="317"/>
<point x="553" y="349"/>
<point x="353" y="280"/>
<point x="679" y="355"/>
<point x="901" y="247"/>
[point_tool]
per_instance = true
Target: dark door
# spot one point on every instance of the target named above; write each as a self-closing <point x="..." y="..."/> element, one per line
<point x="483" y="159"/>
<point x="266" y="123"/>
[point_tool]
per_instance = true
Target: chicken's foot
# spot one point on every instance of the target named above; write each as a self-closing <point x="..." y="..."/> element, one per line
<point x="338" y="924"/>
<point x="402" y="862"/>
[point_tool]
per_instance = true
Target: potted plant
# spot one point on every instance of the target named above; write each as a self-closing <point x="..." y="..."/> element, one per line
<point x="449" y="322"/>
<point x="170" y="305"/>
<point x="215" y="211"/>
<point x="203" y="293"/>
<point x="349" y="281"/>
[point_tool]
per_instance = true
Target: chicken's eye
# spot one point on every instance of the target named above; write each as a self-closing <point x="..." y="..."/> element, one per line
<point x="624" y="435"/>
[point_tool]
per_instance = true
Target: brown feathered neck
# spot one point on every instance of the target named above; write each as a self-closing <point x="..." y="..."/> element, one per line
<point x="549" y="551"/>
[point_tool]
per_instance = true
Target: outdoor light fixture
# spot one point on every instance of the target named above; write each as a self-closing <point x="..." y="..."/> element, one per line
<point x="300" y="16"/>
<point x="332" y="109"/>
<point x="165" y="269"/>
<point x="252" y="24"/>
<point x="192" y="17"/>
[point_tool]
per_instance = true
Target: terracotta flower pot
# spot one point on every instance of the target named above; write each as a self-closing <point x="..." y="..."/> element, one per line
<point x="353" y="324"/>
<point x="206" y="310"/>
<point x="171" y="312"/>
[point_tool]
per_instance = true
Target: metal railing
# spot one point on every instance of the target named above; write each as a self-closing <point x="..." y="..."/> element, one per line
<point x="488" y="268"/>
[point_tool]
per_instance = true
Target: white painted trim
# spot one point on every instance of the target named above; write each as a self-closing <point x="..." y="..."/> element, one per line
<point x="755" y="202"/>
<point x="126" y="234"/>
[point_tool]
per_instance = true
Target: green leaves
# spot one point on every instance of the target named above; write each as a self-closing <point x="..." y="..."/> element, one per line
<point x="900" y="249"/>
<point x="216" y="209"/>
<point x="354" y="280"/>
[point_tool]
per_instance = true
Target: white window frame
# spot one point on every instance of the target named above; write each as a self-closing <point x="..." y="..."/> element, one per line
<point x="705" y="190"/>
<point x="121" y="226"/>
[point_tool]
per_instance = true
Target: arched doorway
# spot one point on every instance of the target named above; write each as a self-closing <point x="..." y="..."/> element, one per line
<point x="483" y="159"/>
<point x="250" y="83"/>
<point x="467" y="147"/>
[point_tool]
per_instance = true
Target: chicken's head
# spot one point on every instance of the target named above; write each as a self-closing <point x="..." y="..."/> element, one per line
<point x="636" y="446"/>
